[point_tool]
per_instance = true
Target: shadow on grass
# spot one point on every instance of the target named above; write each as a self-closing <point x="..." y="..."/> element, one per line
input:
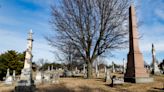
<point x="156" y="90"/>
<point x="119" y="87"/>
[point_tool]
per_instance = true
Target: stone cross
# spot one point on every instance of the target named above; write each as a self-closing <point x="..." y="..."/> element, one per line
<point x="155" y="68"/>
<point x="135" y="71"/>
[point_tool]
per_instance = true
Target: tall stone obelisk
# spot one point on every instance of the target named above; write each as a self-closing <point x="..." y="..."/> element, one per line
<point x="135" y="72"/>
<point x="26" y="82"/>
<point x="27" y="70"/>
<point x="155" y="68"/>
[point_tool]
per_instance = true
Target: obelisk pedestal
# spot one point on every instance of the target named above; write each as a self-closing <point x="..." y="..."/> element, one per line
<point x="135" y="72"/>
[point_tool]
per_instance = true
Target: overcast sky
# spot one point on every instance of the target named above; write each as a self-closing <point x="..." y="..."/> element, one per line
<point x="17" y="17"/>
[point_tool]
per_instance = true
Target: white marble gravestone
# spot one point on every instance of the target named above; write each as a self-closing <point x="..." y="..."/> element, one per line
<point x="107" y="76"/>
<point x="97" y="71"/>
<point x="14" y="75"/>
<point x="9" y="79"/>
<point x="124" y="66"/>
<point x="155" y="68"/>
<point x="113" y="68"/>
<point x="84" y="70"/>
<point x="104" y="69"/>
<point x="8" y="72"/>
<point x="38" y="77"/>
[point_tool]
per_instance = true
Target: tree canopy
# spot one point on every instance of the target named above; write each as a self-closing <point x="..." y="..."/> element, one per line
<point x="12" y="60"/>
<point x="93" y="27"/>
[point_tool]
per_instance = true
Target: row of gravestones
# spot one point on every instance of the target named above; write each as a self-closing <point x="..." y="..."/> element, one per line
<point x="48" y="77"/>
<point x="9" y="79"/>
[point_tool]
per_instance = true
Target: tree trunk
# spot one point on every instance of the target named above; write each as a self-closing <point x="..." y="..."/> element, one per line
<point x="89" y="70"/>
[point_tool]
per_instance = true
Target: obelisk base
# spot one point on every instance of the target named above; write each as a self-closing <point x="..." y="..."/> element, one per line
<point x="135" y="72"/>
<point x="138" y="79"/>
<point x="25" y="84"/>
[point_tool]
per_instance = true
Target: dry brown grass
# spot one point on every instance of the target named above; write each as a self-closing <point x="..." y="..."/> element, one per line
<point x="94" y="85"/>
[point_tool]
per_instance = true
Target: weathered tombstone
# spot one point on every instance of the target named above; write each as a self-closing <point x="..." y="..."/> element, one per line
<point x="84" y="70"/>
<point x="26" y="82"/>
<point x="105" y="69"/>
<point x="52" y="67"/>
<point x="116" y="81"/>
<point x="67" y="73"/>
<point x="107" y="76"/>
<point x="47" y="77"/>
<point x="97" y="71"/>
<point x="76" y="70"/>
<point x="9" y="79"/>
<point x="135" y="71"/>
<point x="8" y="72"/>
<point x="14" y="75"/>
<point x="48" y="68"/>
<point x="56" y="78"/>
<point x="113" y="68"/>
<point x="39" y="77"/>
<point x="155" y="68"/>
<point x="124" y="66"/>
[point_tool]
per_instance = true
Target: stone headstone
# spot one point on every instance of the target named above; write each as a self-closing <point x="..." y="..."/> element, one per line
<point x="84" y="70"/>
<point x="124" y="66"/>
<point x="116" y="81"/>
<point x="104" y="69"/>
<point x="76" y="70"/>
<point x="113" y="68"/>
<point x="48" y="68"/>
<point x="14" y="75"/>
<point x="9" y="80"/>
<point x="52" y="68"/>
<point x="107" y="76"/>
<point x="56" y="78"/>
<point x="97" y="71"/>
<point x="155" y="68"/>
<point x="135" y="71"/>
<point x="8" y="72"/>
<point x="47" y="77"/>
<point x="38" y="77"/>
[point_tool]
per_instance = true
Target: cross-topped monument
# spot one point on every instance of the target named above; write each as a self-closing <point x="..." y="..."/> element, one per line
<point x="135" y="71"/>
<point x="26" y="82"/>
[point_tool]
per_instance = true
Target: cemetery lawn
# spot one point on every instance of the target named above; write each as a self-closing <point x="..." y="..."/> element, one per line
<point x="98" y="85"/>
<point x="93" y="85"/>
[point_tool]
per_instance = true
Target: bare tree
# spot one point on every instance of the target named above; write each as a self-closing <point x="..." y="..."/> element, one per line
<point x="93" y="27"/>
